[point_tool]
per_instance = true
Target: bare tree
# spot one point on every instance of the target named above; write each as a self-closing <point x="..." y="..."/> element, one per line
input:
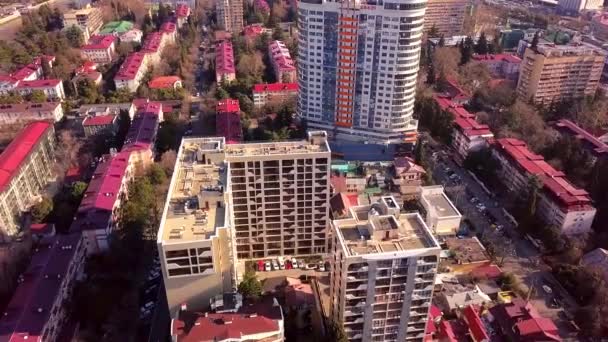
<point x="67" y="152"/>
<point x="445" y="60"/>
<point x="251" y="65"/>
<point x="167" y="161"/>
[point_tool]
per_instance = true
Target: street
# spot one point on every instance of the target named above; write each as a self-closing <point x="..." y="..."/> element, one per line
<point x="518" y="255"/>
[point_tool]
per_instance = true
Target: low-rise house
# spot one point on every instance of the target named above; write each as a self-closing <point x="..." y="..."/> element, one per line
<point x="254" y="30"/>
<point x="520" y="321"/>
<point x="407" y="175"/>
<point x="465" y="255"/>
<point x="37" y="311"/>
<point x="107" y="109"/>
<point x="500" y="65"/>
<point x="225" y="70"/>
<point x="274" y="93"/>
<point x="131" y="36"/>
<point x="228" y="120"/>
<point x="52" y="88"/>
<point x="441" y="216"/>
<point x="28" y="112"/>
<point x="597" y="260"/>
<point x="100" y="49"/>
<point x="97" y="125"/>
<point x="282" y="64"/>
<point x="560" y="203"/>
<point x="165" y="82"/>
<point x="132" y="71"/>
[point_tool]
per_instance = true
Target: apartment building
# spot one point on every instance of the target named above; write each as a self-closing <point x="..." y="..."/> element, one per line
<point x="99" y="210"/>
<point x="27" y="112"/>
<point x="560" y="203"/>
<point x="26" y="168"/>
<point x="89" y="20"/>
<point x="441" y="216"/>
<point x="141" y="136"/>
<point x="467" y="135"/>
<point x="594" y="146"/>
<point x="225" y="70"/>
<point x="500" y="65"/>
<point x="274" y="93"/>
<point x="560" y="72"/>
<point x="7" y="84"/>
<point x="446" y="16"/>
<point x="37" y="311"/>
<point x="575" y="6"/>
<point x="239" y="201"/>
<point x="254" y="30"/>
<point x="52" y="88"/>
<point x="230" y="15"/>
<point x="382" y="274"/>
<point x="100" y="49"/>
<point x="132" y="71"/>
<point x="132" y="36"/>
<point x="358" y="81"/>
<point x="102" y="124"/>
<point x="228" y="120"/>
<point x="154" y="44"/>
<point x="282" y="64"/>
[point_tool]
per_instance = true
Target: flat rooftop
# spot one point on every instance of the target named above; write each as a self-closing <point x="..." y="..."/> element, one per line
<point x="370" y="233"/>
<point x="284" y="147"/>
<point x="196" y="203"/>
<point x="443" y="207"/>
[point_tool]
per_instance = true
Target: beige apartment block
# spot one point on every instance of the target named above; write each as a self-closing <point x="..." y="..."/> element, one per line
<point x="240" y="201"/>
<point x="441" y="216"/>
<point x="560" y="72"/>
<point x="230" y="15"/>
<point x="382" y="273"/>
<point x="89" y="20"/>
<point x="447" y="16"/>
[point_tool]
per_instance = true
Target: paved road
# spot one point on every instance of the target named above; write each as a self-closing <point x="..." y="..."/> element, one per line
<point x="520" y="257"/>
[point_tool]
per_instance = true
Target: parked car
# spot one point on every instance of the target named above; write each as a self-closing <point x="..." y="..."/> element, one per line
<point x="259" y="266"/>
<point x="547" y="289"/>
<point x="321" y="267"/>
<point x="281" y="263"/>
<point x="275" y="265"/>
<point x="311" y="266"/>
<point x="294" y="263"/>
<point x="301" y="264"/>
<point x="267" y="266"/>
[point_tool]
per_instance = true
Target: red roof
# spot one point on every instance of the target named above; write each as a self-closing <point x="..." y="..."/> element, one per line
<point x="164" y="82"/>
<point x="464" y="120"/>
<point x="219" y="327"/>
<point x="554" y="181"/>
<point x="182" y="10"/>
<point x="39" y="83"/>
<point x="19" y="149"/>
<point x="275" y="87"/>
<point x="98" y="42"/>
<point x="253" y="30"/>
<point x="539" y="328"/>
<point x="168" y="27"/>
<point x="24" y="72"/>
<point x="587" y="138"/>
<point x="152" y="42"/>
<point x="130" y="66"/>
<point x="143" y="128"/>
<point x="475" y="324"/>
<point x="224" y="58"/>
<point x="87" y="66"/>
<point x="104" y="188"/>
<point x="280" y="54"/>
<point x="227" y="106"/>
<point x="101" y="120"/>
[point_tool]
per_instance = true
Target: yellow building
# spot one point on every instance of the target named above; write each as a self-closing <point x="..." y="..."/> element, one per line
<point x="447" y="16"/>
<point x="88" y="19"/>
<point x="560" y="72"/>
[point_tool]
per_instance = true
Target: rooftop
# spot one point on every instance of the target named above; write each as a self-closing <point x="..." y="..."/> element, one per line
<point x="116" y="27"/>
<point x="37" y="289"/>
<point x="129" y="68"/>
<point x="164" y="82"/>
<point x="497" y="57"/>
<point x="571" y="49"/>
<point x="39" y="83"/>
<point x="254" y="30"/>
<point x="143" y="128"/>
<point x="275" y="87"/>
<point x="152" y="42"/>
<point x="588" y="140"/>
<point x="99" y="42"/>
<point x="467" y="250"/>
<point x="464" y="120"/>
<point x="28" y="107"/>
<point x="381" y="228"/>
<point x="280" y="55"/>
<point x="168" y="27"/>
<point x="101" y="120"/>
<point x="224" y="58"/>
<point x="439" y="203"/>
<point x="19" y="149"/>
<point x="227" y="106"/>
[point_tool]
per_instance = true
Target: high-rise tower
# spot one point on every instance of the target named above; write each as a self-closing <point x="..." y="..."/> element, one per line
<point x="230" y="15"/>
<point x="357" y="67"/>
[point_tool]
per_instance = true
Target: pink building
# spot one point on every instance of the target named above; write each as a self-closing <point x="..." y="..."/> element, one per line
<point x="100" y="49"/>
<point x="282" y="64"/>
<point x="273" y="93"/>
<point x="228" y="120"/>
<point x="501" y="65"/>
<point x="94" y="125"/>
<point x="132" y="71"/>
<point x="224" y="62"/>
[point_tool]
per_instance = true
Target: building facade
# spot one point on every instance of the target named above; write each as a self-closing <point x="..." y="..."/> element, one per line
<point x="560" y="72"/>
<point x="26" y="168"/>
<point x="239" y="201"/>
<point x="282" y="64"/>
<point x="560" y="203"/>
<point x="575" y="6"/>
<point x="102" y="124"/>
<point x="132" y="71"/>
<point x="599" y="25"/>
<point x="28" y="112"/>
<point x="446" y="16"/>
<point x="100" y="49"/>
<point x="383" y="268"/>
<point x="89" y="20"/>
<point x="228" y="120"/>
<point x="441" y="216"/>
<point x="52" y="88"/>
<point x="357" y="68"/>
<point x="230" y="15"/>
<point x="274" y="93"/>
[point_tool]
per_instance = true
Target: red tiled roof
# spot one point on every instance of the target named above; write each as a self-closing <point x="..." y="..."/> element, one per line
<point x="29" y="309"/>
<point x="152" y="42"/>
<point x="98" y="42"/>
<point x="275" y="87"/>
<point x="24" y="72"/>
<point x="219" y="327"/>
<point x="130" y="66"/>
<point x="579" y="133"/>
<point x="280" y="54"/>
<point x="554" y="181"/>
<point x="227" y="106"/>
<point x="18" y="150"/>
<point x="182" y="10"/>
<point x="475" y="324"/>
<point x="164" y="82"/>
<point x="253" y="30"/>
<point x="87" y="66"/>
<point x="104" y="188"/>
<point x="39" y="83"/>
<point x="536" y="327"/>
<point x="101" y="120"/>
<point x="224" y="59"/>
<point x="168" y="27"/>
<point x="464" y="120"/>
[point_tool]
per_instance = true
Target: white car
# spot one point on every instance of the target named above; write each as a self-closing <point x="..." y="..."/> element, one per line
<point x="301" y="264"/>
<point x="267" y="266"/>
<point x="281" y="264"/>
<point x="275" y="265"/>
<point x="294" y="263"/>
<point x="547" y="289"/>
<point x="321" y="268"/>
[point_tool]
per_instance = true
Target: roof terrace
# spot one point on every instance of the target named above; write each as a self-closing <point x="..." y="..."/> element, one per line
<point x="261" y="149"/>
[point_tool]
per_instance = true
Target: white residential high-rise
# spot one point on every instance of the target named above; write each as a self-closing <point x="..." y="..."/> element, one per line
<point x="240" y="201"/>
<point x="230" y="15"/>
<point x="357" y="67"/>
<point x="382" y="273"/>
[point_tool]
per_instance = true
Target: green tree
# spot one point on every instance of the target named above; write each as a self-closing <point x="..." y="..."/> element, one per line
<point x="221" y="93"/>
<point x="441" y="42"/>
<point x="157" y="174"/>
<point x="74" y="36"/>
<point x="41" y="210"/>
<point x="250" y="286"/>
<point x="466" y="51"/>
<point x="88" y="91"/>
<point x="77" y="191"/>
<point x="482" y="44"/>
<point x="336" y="333"/>
<point x="535" y="40"/>
<point x="37" y="96"/>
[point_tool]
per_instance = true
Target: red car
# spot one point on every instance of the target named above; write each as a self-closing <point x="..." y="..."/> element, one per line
<point x="260" y="266"/>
